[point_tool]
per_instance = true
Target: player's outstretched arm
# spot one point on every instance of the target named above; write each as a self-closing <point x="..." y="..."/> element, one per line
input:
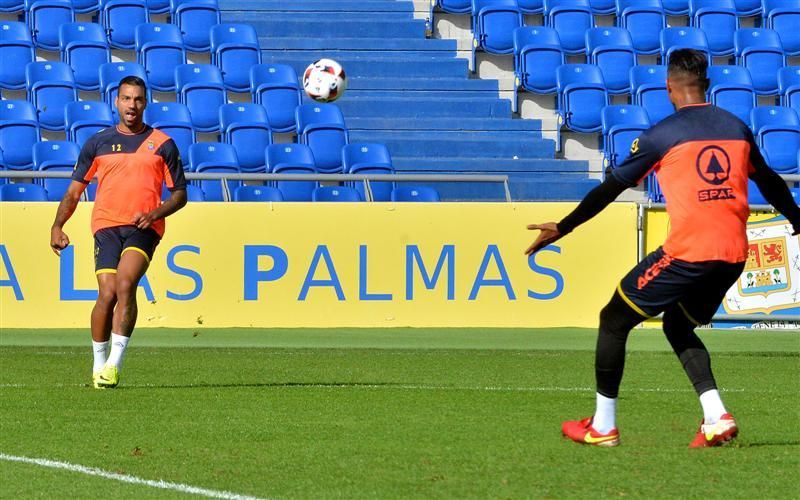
<point x="549" y="234"/>
<point x="58" y="238"/>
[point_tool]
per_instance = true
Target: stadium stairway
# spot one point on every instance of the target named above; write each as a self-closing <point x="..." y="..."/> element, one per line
<point x="414" y="95"/>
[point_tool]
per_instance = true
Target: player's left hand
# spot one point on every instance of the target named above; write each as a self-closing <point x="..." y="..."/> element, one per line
<point x="143" y="221"/>
<point x="549" y="233"/>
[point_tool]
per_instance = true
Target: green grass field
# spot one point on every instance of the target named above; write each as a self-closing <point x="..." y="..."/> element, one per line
<point x="423" y="413"/>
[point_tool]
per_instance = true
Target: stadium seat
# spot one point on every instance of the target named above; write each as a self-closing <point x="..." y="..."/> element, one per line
<point x="415" y="193"/>
<point x="234" y="50"/>
<point x="760" y="51"/>
<point x="19" y="131"/>
<point x="731" y="89"/>
<point x="193" y="193"/>
<point x="531" y="6"/>
<point x="454" y="6"/>
<point x="621" y="125"/>
<point x="110" y="76"/>
<point x="195" y="19"/>
<point x="336" y="194"/>
<point x="84" y="118"/>
<point x="174" y="119"/>
<point x="16" y="51"/>
<point x="159" y="49"/>
<point x="748" y="8"/>
<point x="276" y="87"/>
<point x="537" y="55"/>
<point x="649" y="90"/>
<point x="157" y="6"/>
<point x="493" y="25"/>
<point x="22" y="192"/>
<point x="684" y="37"/>
<point x="50" y="87"/>
<point x="322" y="128"/>
<point x="44" y="18"/>
<point x="369" y="158"/>
<point x="611" y="49"/>
<point x="789" y="87"/>
<point x="292" y="159"/>
<point x="644" y="20"/>
<point x="215" y="157"/>
<point x="717" y="18"/>
<point x="783" y="16"/>
<point x="245" y="127"/>
<point x="571" y="19"/>
<point x="120" y="18"/>
<point x="12" y="6"/>
<point x="84" y="48"/>
<point x="777" y="131"/>
<point x="257" y="193"/>
<point x="676" y="7"/>
<point x="581" y="97"/>
<point x="85" y="6"/>
<point x="55" y="156"/>
<point x="200" y="88"/>
<point x="603" y="7"/>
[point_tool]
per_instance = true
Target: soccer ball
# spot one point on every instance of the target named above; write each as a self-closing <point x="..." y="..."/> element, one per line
<point x="324" y="80"/>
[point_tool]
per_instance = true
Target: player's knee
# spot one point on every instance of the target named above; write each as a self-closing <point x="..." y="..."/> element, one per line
<point x="125" y="287"/>
<point x="617" y="316"/>
<point x="107" y="296"/>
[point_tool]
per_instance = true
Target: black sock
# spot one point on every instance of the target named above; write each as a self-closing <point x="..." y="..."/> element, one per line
<point x="689" y="349"/>
<point x="616" y="321"/>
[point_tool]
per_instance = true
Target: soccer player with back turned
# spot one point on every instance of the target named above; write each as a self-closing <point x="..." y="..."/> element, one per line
<point x="132" y="161"/>
<point x="703" y="156"/>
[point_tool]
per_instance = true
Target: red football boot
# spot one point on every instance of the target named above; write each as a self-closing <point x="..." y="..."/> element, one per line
<point x="716" y="434"/>
<point x="581" y="431"/>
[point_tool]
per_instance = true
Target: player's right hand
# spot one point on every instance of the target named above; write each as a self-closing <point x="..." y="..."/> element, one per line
<point x="58" y="240"/>
<point x="549" y="233"/>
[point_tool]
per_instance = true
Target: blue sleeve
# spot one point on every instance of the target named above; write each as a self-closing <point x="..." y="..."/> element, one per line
<point x="645" y="154"/>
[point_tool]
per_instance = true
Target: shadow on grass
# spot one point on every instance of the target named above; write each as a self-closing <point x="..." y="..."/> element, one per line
<point x="259" y="385"/>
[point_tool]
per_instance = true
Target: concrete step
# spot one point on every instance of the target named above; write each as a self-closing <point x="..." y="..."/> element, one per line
<point x="460" y="145"/>
<point x="454" y="85"/>
<point x="535" y="187"/>
<point x="413" y="164"/>
<point x="366" y="107"/>
<point x="316" y="6"/>
<point x="338" y="55"/>
<point x="297" y="26"/>
<point x="358" y="44"/>
<point x="371" y="66"/>
<point x="416" y="94"/>
<point x="442" y="123"/>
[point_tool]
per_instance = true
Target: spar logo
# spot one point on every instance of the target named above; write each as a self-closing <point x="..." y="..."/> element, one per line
<point x="714" y="166"/>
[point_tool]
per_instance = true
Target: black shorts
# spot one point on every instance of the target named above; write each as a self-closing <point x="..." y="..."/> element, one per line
<point x="660" y="281"/>
<point x="111" y="242"/>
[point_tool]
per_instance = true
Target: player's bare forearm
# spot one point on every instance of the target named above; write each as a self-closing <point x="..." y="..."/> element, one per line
<point x="68" y="204"/>
<point x="174" y="203"/>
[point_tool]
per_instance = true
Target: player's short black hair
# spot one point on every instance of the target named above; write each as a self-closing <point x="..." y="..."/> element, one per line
<point x="689" y="64"/>
<point x="135" y="81"/>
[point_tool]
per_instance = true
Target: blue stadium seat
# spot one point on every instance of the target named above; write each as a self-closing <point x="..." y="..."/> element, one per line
<point x="44" y="18"/>
<point x="571" y="19"/>
<point x="83" y="119"/>
<point x="731" y="89"/>
<point x="157" y="6"/>
<point x="336" y="194"/>
<point x="16" y="51"/>
<point x="110" y="76"/>
<point x="581" y="96"/>
<point x="454" y="6"/>
<point x="621" y="125"/>
<point x="531" y="6"/>
<point x="717" y="18"/>
<point x="748" y="8"/>
<point x="215" y="157"/>
<point x="537" y="55"/>
<point x="493" y="25"/>
<point x="649" y="90"/>
<point x="12" y="6"/>
<point x="612" y="50"/>
<point x="174" y="119"/>
<point x="193" y="193"/>
<point x="120" y="18"/>
<point x="644" y="19"/>
<point x="676" y="7"/>
<point x="200" y="87"/>
<point x="159" y="49"/>
<point x="415" y="193"/>
<point x="603" y="7"/>
<point x="777" y="131"/>
<point x="50" y="87"/>
<point x="276" y="87"/>
<point x="760" y="51"/>
<point x="322" y="128"/>
<point x="85" y="6"/>
<point x="783" y="16"/>
<point x="789" y="87"/>
<point x="195" y="19"/>
<point x="84" y="48"/>
<point x="19" y="131"/>
<point x="292" y="159"/>
<point x="257" y="193"/>
<point x="22" y="192"/>
<point x="683" y="37"/>
<point x="369" y="158"/>
<point x="245" y="127"/>
<point x="234" y="50"/>
<point x="55" y="156"/>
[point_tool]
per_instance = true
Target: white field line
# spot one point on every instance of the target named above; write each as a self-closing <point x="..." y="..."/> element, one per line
<point x="125" y="478"/>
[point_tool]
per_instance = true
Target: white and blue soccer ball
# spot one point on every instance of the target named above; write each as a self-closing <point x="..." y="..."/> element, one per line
<point x="324" y="80"/>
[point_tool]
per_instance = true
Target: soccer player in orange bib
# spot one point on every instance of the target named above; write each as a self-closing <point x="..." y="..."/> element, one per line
<point x="703" y="157"/>
<point x="132" y="161"/>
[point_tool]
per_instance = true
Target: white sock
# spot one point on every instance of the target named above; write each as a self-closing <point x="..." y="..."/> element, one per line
<point x="605" y="416"/>
<point x="712" y="405"/>
<point x="100" y="350"/>
<point x="118" y="345"/>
